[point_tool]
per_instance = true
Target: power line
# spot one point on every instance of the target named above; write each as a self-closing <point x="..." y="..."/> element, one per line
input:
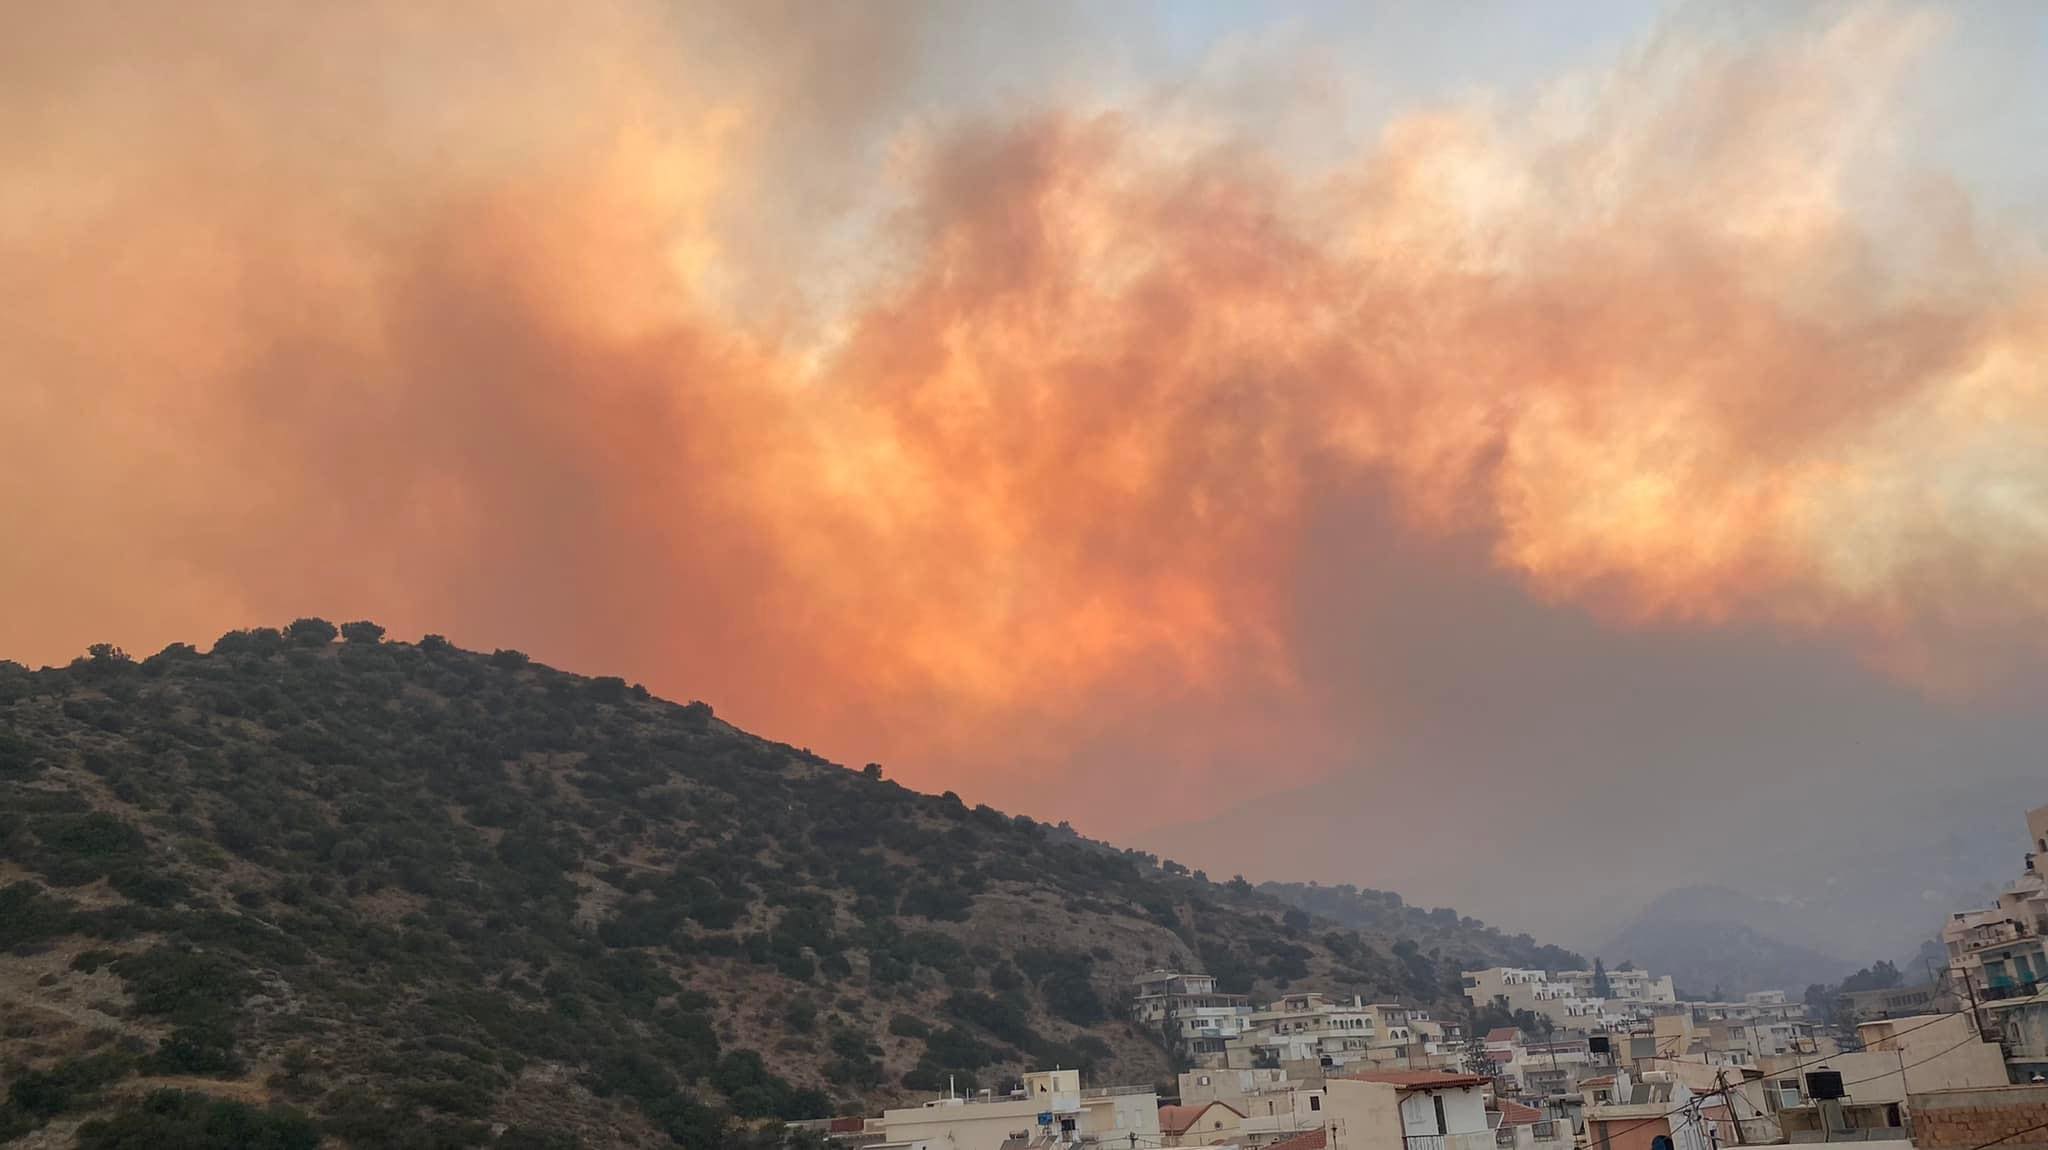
<point x="1724" y="1091"/>
<point x="1905" y="1066"/>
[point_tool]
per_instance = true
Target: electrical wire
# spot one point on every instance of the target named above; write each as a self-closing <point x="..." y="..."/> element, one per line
<point x="1901" y="1070"/>
<point x="1724" y="1091"/>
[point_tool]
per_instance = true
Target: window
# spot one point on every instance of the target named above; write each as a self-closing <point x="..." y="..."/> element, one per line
<point x="1788" y="1092"/>
<point x="1315" y="1102"/>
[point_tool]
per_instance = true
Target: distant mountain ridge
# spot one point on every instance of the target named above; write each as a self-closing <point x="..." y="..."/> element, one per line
<point x="1380" y="910"/>
<point x="434" y="897"/>
<point x="1710" y="938"/>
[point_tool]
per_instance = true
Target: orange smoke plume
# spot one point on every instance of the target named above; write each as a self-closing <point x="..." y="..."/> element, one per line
<point x="488" y="334"/>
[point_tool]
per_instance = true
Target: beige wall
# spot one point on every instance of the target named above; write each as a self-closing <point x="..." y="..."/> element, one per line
<point x="1962" y="1119"/>
<point x="1219" y="1126"/>
<point x="974" y="1126"/>
<point x="1938" y="1054"/>
<point x="1363" y="1115"/>
<point x="1120" y="1115"/>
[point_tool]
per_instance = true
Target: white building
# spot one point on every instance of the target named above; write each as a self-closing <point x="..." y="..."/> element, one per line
<point x="2001" y="952"/>
<point x="1314" y="1031"/>
<point x="1535" y="991"/>
<point x="1439" y="1110"/>
<point x="1566" y="997"/>
<point x="1051" y="1107"/>
<point x="1626" y="986"/>
<point x="1189" y="1012"/>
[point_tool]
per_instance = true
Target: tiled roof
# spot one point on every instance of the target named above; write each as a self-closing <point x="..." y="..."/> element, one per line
<point x="1513" y="1113"/>
<point x="1419" y="1079"/>
<point x="1502" y="1034"/>
<point x="1177" y="1119"/>
<point x="1315" y="1139"/>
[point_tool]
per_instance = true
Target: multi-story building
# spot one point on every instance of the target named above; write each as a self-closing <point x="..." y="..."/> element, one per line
<point x="1189" y="1012"/>
<point x="1535" y="991"/>
<point x="1769" y="1005"/>
<point x="1312" y="1030"/>
<point x="1553" y="1068"/>
<point x="1859" y="1006"/>
<point x="1051" y="1107"/>
<point x="1999" y="952"/>
<point x="2023" y="1027"/>
<point x="1625" y="986"/>
<point x="1749" y="1040"/>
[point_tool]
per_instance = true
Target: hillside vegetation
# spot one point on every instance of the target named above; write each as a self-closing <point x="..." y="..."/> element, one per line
<point x="319" y="888"/>
<point x="1384" y="912"/>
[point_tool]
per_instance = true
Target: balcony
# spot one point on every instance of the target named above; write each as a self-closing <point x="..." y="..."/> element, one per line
<point x="1115" y="1091"/>
<point x="2003" y="988"/>
<point x="1479" y="1140"/>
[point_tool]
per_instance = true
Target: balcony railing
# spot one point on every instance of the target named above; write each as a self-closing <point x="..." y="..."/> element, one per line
<point x="1545" y="1131"/>
<point x="1115" y="1091"/>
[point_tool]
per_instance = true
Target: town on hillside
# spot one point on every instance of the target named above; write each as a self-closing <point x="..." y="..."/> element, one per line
<point x="1560" y="1060"/>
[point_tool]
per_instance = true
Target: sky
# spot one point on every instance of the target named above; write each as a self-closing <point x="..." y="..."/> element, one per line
<point x="1525" y="456"/>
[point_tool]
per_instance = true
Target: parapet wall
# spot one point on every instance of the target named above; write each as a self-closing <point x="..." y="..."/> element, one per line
<point x="1966" y="1119"/>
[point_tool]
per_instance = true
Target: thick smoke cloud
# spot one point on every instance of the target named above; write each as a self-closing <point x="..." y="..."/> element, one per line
<point x="526" y="333"/>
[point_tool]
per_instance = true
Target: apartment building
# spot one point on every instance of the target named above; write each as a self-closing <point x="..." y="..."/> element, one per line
<point x="2001" y="952"/>
<point x="1629" y="986"/>
<point x="1535" y="991"/>
<point x="1566" y="997"/>
<point x="1859" y="1006"/>
<point x="1758" y="1038"/>
<point x="1189" y="1012"/>
<point x="1313" y="1031"/>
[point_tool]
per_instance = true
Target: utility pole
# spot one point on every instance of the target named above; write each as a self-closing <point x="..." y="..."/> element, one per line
<point x="1721" y="1080"/>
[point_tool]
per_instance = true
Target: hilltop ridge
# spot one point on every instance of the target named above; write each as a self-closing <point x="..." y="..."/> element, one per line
<point x="414" y="895"/>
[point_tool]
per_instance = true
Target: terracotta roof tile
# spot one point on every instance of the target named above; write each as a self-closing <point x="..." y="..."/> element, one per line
<point x="1513" y="1113"/>
<point x="1178" y="1119"/>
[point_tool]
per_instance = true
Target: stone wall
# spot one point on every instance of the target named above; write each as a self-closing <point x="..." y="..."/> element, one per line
<point x="1965" y="1119"/>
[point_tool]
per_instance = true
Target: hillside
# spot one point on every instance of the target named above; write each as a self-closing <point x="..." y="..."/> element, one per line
<point x="386" y="894"/>
<point x="1380" y="911"/>
<point x="1708" y="937"/>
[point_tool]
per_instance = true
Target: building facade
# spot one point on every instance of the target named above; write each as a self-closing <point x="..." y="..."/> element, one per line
<point x="2001" y="952"/>
<point x="1191" y="1014"/>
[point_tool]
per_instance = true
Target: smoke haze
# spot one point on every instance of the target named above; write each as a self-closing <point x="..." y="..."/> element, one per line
<point x="1084" y="451"/>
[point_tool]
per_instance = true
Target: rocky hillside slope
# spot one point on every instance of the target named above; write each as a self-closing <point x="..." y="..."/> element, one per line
<point x="319" y="888"/>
